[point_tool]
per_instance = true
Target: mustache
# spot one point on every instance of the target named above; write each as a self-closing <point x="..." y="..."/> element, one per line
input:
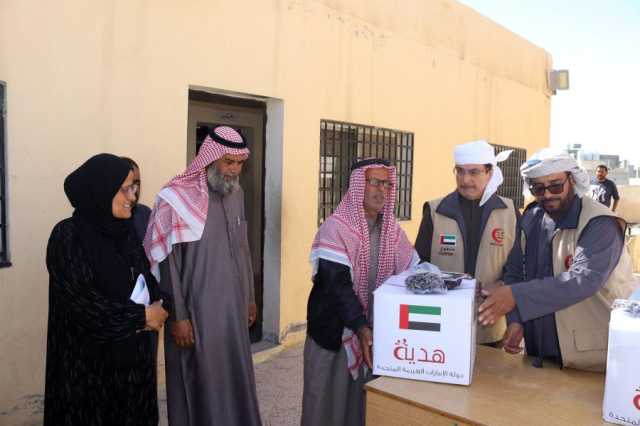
<point x="551" y="200"/>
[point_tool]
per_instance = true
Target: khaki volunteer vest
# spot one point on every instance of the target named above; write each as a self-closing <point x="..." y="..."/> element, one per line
<point x="583" y="328"/>
<point x="496" y="241"/>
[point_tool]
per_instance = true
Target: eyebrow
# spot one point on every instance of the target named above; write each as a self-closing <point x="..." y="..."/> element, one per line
<point x="472" y="168"/>
<point x="551" y="182"/>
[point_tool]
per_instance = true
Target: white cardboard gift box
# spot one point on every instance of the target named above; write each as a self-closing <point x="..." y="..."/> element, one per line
<point x="429" y="337"/>
<point x="621" y="403"/>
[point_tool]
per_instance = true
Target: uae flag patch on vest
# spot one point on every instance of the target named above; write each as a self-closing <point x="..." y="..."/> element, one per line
<point x="416" y="317"/>
<point x="447" y="240"/>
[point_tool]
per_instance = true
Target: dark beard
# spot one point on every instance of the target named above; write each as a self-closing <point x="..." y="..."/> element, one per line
<point x="563" y="208"/>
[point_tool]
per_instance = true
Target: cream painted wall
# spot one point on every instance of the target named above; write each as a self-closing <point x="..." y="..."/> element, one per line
<point x="85" y="77"/>
<point x="629" y="205"/>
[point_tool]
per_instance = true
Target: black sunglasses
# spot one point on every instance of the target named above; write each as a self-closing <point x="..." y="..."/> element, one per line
<point x="538" y="189"/>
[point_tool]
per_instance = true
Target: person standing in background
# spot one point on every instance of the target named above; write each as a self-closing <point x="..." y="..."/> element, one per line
<point x="603" y="189"/>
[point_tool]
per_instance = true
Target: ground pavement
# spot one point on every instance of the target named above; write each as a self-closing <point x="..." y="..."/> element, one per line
<point x="278" y="381"/>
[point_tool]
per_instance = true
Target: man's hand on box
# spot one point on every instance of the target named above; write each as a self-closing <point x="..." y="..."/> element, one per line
<point x="499" y="301"/>
<point x="513" y="338"/>
<point x="366" y="341"/>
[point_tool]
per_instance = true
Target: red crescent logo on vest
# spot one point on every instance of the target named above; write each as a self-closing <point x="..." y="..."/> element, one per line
<point x="636" y="401"/>
<point x="568" y="261"/>
<point x="498" y="235"/>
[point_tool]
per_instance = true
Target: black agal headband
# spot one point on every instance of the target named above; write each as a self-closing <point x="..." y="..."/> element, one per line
<point x="222" y="141"/>
<point x="368" y="162"/>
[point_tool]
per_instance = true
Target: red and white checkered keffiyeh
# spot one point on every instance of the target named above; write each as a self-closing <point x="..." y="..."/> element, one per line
<point x="344" y="238"/>
<point x="180" y="210"/>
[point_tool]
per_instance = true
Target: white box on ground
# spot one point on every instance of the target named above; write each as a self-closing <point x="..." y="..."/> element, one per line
<point x="621" y="403"/>
<point x="428" y="337"/>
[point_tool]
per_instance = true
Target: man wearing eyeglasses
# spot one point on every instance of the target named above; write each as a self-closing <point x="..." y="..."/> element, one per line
<point x="569" y="268"/>
<point x="356" y="248"/>
<point x="472" y="229"/>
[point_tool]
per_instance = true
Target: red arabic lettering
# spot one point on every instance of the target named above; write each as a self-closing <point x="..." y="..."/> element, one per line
<point x="438" y="356"/>
<point x="400" y="345"/>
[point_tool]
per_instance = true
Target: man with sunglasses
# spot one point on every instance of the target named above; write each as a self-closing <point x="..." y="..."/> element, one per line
<point x="356" y="248"/>
<point x="472" y="229"/>
<point x="570" y="266"/>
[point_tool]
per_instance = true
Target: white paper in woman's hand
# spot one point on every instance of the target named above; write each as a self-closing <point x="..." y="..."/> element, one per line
<point x="140" y="293"/>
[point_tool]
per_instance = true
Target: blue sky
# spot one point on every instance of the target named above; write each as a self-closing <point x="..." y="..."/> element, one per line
<point x="599" y="43"/>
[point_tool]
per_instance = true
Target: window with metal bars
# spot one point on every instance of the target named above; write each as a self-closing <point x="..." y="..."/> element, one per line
<point x="4" y="252"/>
<point x="342" y="144"/>
<point x="512" y="185"/>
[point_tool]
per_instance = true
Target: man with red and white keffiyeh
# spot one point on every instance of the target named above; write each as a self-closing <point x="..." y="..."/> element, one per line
<point x="197" y="245"/>
<point x="358" y="247"/>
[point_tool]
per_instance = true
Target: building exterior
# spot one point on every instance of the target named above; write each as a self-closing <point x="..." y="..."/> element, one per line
<point x="145" y="79"/>
<point x="620" y="171"/>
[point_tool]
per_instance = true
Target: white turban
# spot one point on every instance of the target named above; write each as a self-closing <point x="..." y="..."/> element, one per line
<point x="548" y="161"/>
<point x="480" y="152"/>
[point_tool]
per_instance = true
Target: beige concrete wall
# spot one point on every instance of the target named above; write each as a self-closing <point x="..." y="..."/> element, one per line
<point x="629" y="209"/>
<point x="85" y="77"/>
<point x="633" y="245"/>
<point x="629" y="205"/>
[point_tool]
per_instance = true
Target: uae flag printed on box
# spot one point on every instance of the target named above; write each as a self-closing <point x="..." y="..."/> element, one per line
<point x="447" y="240"/>
<point x="417" y="317"/>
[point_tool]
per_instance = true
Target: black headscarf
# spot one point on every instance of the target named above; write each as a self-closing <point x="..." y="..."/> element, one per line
<point x="109" y="241"/>
<point x="91" y="188"/>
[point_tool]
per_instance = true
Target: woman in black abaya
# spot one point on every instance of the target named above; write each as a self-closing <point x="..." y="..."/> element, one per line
<point x="100" y="367"/>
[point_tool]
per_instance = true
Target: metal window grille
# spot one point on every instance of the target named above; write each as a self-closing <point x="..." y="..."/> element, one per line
<point x="342" y="144"/>
<point x="512" y="186"/>
<point x="4" y="252"/>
